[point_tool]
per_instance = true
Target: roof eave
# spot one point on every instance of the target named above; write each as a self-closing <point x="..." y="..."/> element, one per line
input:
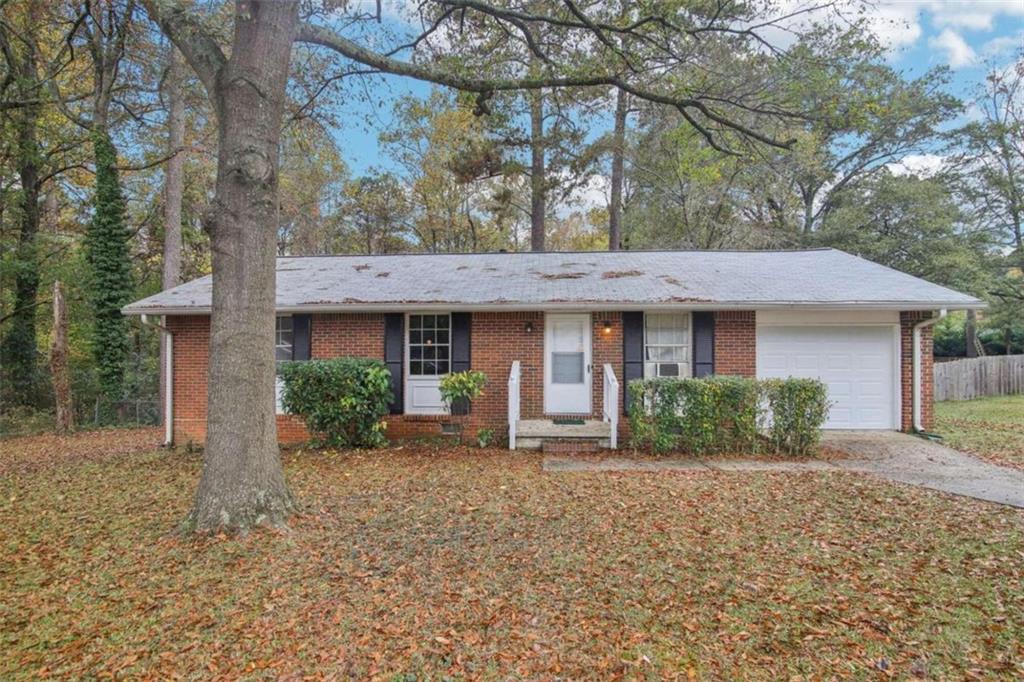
<point x="583" y="305"/>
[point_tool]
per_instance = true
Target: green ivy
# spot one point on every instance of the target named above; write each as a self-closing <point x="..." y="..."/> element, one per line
<point x="343" y="401"/>
<point x="110" y="281"/>
<point x="725" y="414"/>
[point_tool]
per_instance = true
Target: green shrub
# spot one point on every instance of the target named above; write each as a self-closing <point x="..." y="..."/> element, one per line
<point x="484" y="437"/>
<point x="798" y="409"/>
<point x="343" y="401"/>
<point x="726" y="414"/>
<point x="459" y="389"/>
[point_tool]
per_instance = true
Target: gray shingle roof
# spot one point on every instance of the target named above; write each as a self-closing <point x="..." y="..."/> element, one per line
<point x="697" y="279"/>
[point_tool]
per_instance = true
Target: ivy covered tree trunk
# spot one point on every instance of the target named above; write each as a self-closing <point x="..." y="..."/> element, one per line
<point x="243" y="484"/>
<point x="110" y="285"/>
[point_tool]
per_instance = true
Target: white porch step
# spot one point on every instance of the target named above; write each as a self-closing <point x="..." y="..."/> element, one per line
<point x="531" y="433"/>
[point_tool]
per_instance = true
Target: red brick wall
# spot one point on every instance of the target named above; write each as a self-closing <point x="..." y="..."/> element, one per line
<point x="907" y="322"/>
<point x="497" y="339"/>
<point x="736" y="343"/>
<point x="191" y="360"/>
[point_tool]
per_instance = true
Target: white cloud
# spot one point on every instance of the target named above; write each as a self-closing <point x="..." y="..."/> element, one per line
<point x="958" y="52"/>
<point x="921" y="165"/>
<point x="1003" y="45"/>
<point x="977" y="15"/>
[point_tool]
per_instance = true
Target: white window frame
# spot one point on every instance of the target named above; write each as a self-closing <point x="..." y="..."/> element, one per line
<point x="278" y="383"/>
<point x="422" y="394"/>
<point x="687" y="366"/>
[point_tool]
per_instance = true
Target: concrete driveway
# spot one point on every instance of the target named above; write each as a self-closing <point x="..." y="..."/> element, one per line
<point x="909" y="459"/>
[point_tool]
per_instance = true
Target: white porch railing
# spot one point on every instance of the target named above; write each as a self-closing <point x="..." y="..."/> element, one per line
<point x="513" y="403"/>
<point x="611" y="405"/>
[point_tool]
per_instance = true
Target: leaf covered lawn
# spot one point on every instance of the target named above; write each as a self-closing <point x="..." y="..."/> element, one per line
<point x="991" y="428"/>
<point x="423" y="564"/>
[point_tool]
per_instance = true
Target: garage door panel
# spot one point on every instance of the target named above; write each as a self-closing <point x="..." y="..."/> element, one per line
<point x="857" y="364"/>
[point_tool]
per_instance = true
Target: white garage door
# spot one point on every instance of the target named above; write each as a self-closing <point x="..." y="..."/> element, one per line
<point x="856" y="363"/>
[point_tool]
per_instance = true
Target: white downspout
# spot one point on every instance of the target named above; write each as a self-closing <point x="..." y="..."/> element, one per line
<point x="916" y="388"/>
<point x="168" y="380"/>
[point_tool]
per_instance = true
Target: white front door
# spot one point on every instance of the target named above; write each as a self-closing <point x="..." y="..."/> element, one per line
<point x="567" y="364"/>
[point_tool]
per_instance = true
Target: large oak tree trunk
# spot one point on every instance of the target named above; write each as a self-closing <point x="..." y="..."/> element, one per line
<point x="618" y="155"/>
<point x="242" y="483"/>
<point x="59" y="372"/>
<point x="538" y="186"/>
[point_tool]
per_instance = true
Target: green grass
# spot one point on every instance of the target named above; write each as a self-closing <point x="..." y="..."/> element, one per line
<point x="992" y="428"/>
<point x="475" y="564"/>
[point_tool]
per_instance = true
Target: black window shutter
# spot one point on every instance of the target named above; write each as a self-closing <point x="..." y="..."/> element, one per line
<point x="703" y="344"/>
<point x="461" y="323"/>
<point x="394" y="352"/>
<point x="632" y="350"/>
<point x="302" y="337"/>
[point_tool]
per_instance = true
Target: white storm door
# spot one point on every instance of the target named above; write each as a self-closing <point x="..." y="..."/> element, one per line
<point x="567" y="368"/>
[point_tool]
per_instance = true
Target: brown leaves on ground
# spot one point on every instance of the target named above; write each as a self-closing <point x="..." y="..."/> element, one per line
<point x="477" y="565"/>
<point x="31" y="453"/>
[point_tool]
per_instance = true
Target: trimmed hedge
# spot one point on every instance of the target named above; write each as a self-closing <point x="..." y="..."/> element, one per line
<point x="727" y="414"/>
<point x="343" y="400"/>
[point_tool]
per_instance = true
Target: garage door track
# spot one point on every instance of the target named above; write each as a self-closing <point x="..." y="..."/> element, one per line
<point x="910" y="459"/>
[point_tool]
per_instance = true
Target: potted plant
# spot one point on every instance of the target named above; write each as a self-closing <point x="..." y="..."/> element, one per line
<point x="459" y="390"/>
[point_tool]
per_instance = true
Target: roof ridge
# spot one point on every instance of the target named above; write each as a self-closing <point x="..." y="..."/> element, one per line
<point x="556" y="253"/>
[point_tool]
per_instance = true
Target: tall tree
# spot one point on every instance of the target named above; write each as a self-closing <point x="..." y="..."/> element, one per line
<point x="19" y="348"/>
<point x="618" y="175"/>
<point x="866" y="116"/>
<point x="242" y="482"/>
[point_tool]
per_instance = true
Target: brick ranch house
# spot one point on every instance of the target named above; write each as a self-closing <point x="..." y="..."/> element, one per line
<point x="560" y="334"/>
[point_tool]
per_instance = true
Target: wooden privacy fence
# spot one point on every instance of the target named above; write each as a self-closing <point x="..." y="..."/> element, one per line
<point x="977" y="377"/>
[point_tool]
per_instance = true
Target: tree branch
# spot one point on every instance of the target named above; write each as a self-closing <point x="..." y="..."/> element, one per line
<point x="325" y="37"/>
<point x="192" y="40"/>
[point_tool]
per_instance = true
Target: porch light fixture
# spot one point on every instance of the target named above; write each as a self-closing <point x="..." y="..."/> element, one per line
<point x="529" y="327"/>
<point x="606" y="327"/>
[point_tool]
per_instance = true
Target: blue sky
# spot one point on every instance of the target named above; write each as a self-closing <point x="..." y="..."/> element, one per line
<point x="966" y="35"/>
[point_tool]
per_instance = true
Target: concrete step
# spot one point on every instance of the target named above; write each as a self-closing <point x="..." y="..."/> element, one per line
<point x="535" y="434"/>
<point x="547" y="428"/>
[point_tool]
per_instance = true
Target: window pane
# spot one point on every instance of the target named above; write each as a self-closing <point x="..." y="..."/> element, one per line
<point x="429" y="321"/>
<point x="442" y="367"/>
<point x="415" y="352"/>
<point x="415" y="322"/>
<point x="429" y="367"/>
<point x="283" y="353"/>
<point x="567" y="368"/>
<point x="442" y="321"/>
<point x="416" y="368"/>
<point x="441" y="336"/>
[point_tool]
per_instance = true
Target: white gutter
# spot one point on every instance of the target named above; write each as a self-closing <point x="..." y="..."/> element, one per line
<point x="604" y="306"/>
<point x="916" y="380"/>
<point x="168" y="380"/>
